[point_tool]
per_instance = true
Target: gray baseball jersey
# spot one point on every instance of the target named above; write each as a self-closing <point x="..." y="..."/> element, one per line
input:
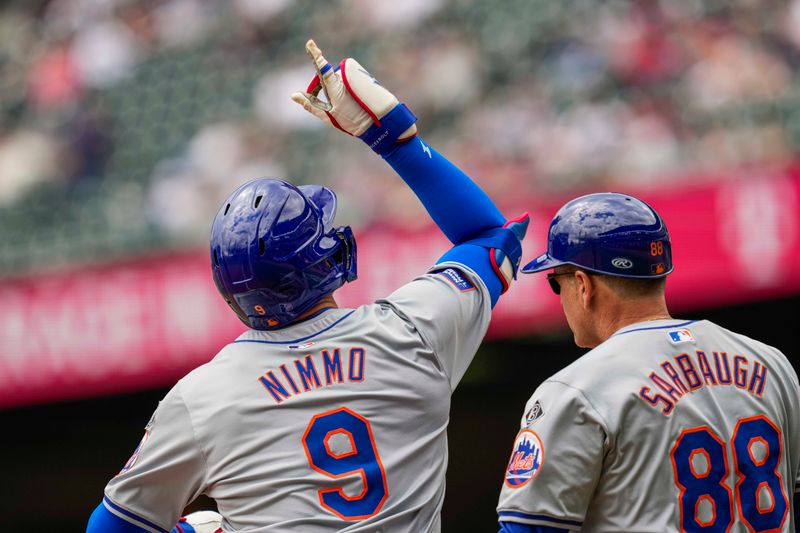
<point x="335" y="423"/>
<point x="667" y="426"/>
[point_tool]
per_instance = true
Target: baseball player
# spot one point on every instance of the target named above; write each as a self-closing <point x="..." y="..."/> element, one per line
<point x="666" y="425"/>
<point x="320" y="418"/>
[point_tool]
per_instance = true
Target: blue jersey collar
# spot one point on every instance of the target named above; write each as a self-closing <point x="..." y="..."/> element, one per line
<point x="298" y="332"/>
<point x="667" y="323"/>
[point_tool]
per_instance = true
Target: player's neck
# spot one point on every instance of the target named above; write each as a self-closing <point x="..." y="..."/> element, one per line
<point x="634" y="312"/>
<point x="326" y="303"/>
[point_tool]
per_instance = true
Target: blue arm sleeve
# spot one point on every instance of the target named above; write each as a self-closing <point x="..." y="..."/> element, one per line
<point x="514" y="527"/>
<point x="455" y="203"/>
<point x="104" y="521"/>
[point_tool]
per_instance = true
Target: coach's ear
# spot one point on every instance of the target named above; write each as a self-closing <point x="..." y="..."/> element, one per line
<point x="587" y="289"/>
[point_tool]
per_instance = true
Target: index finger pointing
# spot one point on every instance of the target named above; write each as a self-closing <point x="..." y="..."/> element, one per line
<point x="323" y="67"/>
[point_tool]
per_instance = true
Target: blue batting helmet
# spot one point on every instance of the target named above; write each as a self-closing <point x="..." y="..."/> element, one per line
<point x="275" y="252"/>
<point x="608" y="233"/>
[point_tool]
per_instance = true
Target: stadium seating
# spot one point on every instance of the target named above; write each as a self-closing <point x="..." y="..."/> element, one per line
<point x="131" y="152"/>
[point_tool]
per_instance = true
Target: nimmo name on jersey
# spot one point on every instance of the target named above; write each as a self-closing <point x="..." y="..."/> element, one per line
<point x="301" y="375"/>
<point x="698" y="373"/>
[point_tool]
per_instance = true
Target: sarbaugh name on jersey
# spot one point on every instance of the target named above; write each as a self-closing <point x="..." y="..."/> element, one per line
<point x="690" y="373"/>
<point x="302" y="375"/>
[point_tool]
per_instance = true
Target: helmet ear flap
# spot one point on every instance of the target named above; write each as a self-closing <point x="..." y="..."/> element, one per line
<point x="346" y="254"/>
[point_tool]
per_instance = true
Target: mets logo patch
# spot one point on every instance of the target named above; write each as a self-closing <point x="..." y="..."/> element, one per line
<point x="527" y="458"/>
<point x="458" y="279"/>
<point x="680" y="335"/>
<point x="136" y="452"/>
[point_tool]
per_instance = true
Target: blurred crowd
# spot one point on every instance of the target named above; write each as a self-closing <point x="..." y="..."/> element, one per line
<point x="125" y="123"/>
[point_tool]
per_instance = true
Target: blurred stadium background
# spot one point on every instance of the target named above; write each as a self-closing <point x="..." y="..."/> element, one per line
<point x="124" y="124"/>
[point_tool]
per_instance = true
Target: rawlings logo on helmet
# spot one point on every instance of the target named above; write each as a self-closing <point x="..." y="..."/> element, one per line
<point x="622" y="262"/>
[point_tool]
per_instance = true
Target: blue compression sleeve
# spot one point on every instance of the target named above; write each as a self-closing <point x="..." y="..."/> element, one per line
<point x="455" y="203"/>
<point x="514" y="527"/>
<point x="104" y="521"/>
<point x="477" y="258"/>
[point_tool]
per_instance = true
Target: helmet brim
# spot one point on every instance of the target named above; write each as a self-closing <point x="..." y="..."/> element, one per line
<point x="543" y="262"/>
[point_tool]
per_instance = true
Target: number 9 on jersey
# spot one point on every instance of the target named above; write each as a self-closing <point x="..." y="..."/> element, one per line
<point x="360" y="459"/>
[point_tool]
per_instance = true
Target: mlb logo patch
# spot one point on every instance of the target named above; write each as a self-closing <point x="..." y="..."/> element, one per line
<point x="677" y="336"/>
<point x="303" y="346"/>
<point x="458" y="279"/>
<point x="526" y="460"/>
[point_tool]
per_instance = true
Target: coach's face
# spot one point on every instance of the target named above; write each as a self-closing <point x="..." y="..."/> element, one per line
<point x="577" y="292"/>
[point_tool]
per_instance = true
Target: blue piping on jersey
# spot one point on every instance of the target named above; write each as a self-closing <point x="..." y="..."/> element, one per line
<point x="670" y="326"/>
<point x="519" y="527"/>
<point x="300" y="339"/>
<point x="132" y="515"/>
<point x="540" y="517"/>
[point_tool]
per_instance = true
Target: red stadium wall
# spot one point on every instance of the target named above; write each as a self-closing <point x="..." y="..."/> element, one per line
<point x="146" y="322"/>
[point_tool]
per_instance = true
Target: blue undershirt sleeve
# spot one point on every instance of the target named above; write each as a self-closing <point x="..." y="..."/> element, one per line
<point x="104" y="521"/>
<point x="477" y="258"/>
<point x="514" y="527"/>
<point x="455" y="203"/>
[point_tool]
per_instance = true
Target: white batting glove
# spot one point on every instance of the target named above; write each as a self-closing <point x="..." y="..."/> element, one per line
<point x="506" y="262"/>
<point x="356" y="103"/>
<point x="199" y="522"/>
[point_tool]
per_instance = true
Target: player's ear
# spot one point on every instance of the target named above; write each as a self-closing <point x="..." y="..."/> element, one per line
<point x="586" y="287"/>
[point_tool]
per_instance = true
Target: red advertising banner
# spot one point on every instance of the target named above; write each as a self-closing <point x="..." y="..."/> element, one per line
<point x="145" y="322"/>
